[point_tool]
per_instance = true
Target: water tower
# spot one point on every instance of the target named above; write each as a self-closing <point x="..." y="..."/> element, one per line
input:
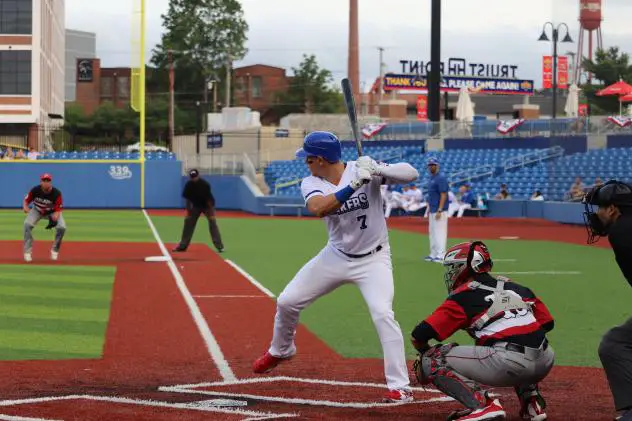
<point x="589" y="22"/>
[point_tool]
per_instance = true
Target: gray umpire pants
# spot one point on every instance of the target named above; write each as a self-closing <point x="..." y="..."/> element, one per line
<point x="32" y="218"/>
<point x="191" y="221"/>
<point x="615" y="353"/>
<point x="498" y="366"/>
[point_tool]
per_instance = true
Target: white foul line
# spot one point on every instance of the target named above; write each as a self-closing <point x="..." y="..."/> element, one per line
<point x="210" y="341"/>
<point x="543" y="272"/>
<point x="252" y="280"/>
<point x="230" y="296"/>
<point x="16" y="418"/>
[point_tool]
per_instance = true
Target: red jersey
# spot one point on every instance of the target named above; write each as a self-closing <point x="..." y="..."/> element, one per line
<point x="467" y="304"/>
<point x="45" y="202"/>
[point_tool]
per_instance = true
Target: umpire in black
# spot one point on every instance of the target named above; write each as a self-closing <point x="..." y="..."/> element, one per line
<point x="613" y="219"/>
<point x="199" y="200"/>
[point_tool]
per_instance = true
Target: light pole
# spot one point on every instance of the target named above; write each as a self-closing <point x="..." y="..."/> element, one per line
<point x="555" y="36"/>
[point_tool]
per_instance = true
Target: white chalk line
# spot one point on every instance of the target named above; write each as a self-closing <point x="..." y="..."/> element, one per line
<point x="4" y="417"/>
<point x="543" y="272"/>
<point x="250" y="278"/>
<point x="312" y="402"/>
<point x="230" y="296"/>
<point x="211" y="343"/>
<point x="144" y="402"/>
<point x="255" y="380"/>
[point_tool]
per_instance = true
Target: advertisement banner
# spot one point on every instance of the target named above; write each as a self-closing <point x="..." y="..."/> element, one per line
<point x="562" y="72"/>
<point x="422" y="108"/>
<point x="547" y="72"/>
<point x="455" y="83"/>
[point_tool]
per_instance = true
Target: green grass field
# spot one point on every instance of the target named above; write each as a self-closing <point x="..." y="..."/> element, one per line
<point x="585" y="305"/>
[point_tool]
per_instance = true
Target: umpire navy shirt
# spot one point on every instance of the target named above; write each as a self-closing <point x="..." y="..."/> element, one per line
<point x="438" y="184"/>
<point x="620" y="239"/>
<point x="198" y="193"/>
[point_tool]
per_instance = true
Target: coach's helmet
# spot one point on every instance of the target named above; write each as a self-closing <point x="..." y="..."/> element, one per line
<point x="323" y="144"/>
<point x="463" y="261"/>
<point x="611" y="197"/>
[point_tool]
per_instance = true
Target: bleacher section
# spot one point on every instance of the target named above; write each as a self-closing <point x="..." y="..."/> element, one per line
<point x="104" y="155"/>
<point x="554" y="178"/>
<point x="453" y="162"/>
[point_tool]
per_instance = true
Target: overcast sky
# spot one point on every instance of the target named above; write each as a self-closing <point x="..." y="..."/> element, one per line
<point x="482" y="31"/>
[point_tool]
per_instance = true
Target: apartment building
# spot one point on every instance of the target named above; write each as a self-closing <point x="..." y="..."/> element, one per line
<point x="32" y="46"/>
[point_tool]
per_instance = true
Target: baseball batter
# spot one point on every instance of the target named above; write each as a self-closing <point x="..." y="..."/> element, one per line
<point x="47" y="203"/>
<point x="348" y="196"/>
<point x="508" y="323"/>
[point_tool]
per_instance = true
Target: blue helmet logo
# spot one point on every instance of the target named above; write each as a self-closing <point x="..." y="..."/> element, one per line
<point x="323" y="144"/>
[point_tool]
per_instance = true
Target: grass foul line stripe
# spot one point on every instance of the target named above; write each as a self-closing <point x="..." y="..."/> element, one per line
<point x="210" y="341"/>
<point x="252" y="280"/>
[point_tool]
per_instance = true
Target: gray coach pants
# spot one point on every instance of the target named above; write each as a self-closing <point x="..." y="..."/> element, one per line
<point x="191" y="221"/>
<point x="615" y="353"/>
<point x="32" y="218"/>
<point x="499" y="367"/>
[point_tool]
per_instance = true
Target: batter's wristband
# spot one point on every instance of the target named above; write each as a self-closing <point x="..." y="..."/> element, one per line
<point x="344" y="194"/>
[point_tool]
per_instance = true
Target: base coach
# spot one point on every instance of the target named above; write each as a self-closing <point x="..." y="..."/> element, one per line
<point x="613" y="219"/>
<point x="199" y="200"/>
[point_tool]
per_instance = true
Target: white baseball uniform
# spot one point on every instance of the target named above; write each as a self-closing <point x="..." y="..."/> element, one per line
<point x="415" y="200"/>
<point x="357" y="252"/>
<point x="454" y="204"/>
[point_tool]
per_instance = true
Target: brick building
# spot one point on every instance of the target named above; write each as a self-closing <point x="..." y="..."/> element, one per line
<point x="32" y="44"/>
<point x="96" y="85"/>
<point x="258" y="87"/>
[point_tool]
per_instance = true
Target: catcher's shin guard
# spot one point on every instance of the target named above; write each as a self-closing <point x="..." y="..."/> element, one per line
<point x="435" y="370"/>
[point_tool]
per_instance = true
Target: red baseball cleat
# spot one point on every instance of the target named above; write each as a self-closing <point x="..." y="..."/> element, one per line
<point x="492" y="411"/>
<point x="532" y="410"/>
<point x="267" y="362"/>
<point x="398" y="396"/>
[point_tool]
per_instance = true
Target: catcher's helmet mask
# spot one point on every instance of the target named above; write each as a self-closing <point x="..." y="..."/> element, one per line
<point x="612" y="193"/>
<point x="460" y="269"/>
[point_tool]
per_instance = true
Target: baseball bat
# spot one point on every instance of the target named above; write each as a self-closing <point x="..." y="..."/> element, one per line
<point x="347" y="91"/>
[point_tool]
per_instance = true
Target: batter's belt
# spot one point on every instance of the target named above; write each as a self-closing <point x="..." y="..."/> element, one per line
<point x="358" y="256"/>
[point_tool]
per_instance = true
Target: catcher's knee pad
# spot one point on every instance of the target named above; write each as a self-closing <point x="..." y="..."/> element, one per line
<point x="435" y="370"/>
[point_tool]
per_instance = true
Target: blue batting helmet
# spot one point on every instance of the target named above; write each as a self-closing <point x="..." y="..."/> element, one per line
<point x="323" y="144"/>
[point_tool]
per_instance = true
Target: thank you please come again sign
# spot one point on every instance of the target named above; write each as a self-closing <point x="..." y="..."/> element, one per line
<point x="489" y="78"/>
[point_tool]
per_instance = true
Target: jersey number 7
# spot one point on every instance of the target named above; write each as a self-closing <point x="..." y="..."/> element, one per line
<point x="362" y="219"/>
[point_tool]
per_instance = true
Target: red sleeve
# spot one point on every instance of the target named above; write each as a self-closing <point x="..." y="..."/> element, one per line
<point x="29" y="197"/>
<point x="59" y="203"/>
<point x="448" y="318"/>
<point x="541" y="312"/>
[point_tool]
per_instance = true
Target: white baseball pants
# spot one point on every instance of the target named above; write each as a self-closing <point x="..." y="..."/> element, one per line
<point x="330" y="269"/>
<point x="438" y="234"/>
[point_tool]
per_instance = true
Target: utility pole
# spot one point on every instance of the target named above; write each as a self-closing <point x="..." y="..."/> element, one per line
<point x="434" y="79"/>
<point x="381" y="84"/>
<point x="172" y="127"/>
<point x="228" y="77"/>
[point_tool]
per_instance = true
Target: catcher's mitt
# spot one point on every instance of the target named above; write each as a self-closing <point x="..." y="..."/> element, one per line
<point x="51" y="224"/>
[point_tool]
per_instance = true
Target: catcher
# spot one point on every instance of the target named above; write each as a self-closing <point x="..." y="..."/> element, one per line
<point x="509" y="325"/>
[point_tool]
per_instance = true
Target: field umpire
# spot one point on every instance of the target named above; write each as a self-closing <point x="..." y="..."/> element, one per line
<point x="613" y="218"/>
<point x="199" y="199"/>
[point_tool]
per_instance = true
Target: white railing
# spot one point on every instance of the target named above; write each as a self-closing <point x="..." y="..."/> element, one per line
<point x="471" y="174"/>
<point x="533" y="157"/>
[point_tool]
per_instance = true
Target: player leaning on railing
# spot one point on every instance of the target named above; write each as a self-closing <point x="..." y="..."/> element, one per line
<point x="348" y="196"/>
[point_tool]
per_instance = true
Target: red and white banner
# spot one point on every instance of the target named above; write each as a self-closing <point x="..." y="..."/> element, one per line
<point x="582" y="110"/>
<point x="422" y="108"/>
<point x="562" y="72"/>
<point x="547" y="72"/>
<point x="507" y="126"/>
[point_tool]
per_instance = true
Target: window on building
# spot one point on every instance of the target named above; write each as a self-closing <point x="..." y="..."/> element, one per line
<point x="15" y="72"/>
<point x="123" y="87"/>
<point x="16" y="16"/>
<point x="256" y="86"/>
<point x="106" y="87"/>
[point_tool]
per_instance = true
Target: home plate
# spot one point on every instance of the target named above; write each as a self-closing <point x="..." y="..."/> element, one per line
<point x="158" y="259"/>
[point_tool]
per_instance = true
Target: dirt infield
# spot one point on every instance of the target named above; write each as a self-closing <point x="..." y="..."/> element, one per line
<point x="159" y="362"/>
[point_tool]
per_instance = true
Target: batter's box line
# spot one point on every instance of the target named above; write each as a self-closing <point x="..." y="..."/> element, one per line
<point x="255" y="380"/>
<point x="253" y="415"/>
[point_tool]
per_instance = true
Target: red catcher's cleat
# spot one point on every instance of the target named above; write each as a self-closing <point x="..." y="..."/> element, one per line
<point x="398" y="396"/>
